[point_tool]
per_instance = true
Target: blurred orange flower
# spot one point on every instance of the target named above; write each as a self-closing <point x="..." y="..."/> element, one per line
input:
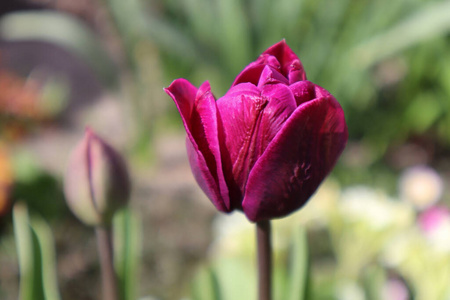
<point x="6" y="180"/>
<point x="19" y="104"/>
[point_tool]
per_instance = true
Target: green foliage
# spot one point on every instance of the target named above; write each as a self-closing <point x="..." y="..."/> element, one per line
<point x="38" y="189"/>
<point x="205" y="285"/>
<point x="377" y="57"/>
<point x="127" y="252"/>
<point x="36" y="254"/>
<point x="299" y="267"/>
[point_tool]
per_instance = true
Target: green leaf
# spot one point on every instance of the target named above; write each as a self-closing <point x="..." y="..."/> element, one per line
<point x="299" y="267"/>
<point x="36" y="255"/>
<point x="425" y="24"/>
<point x="44" y="239"/>
<point x="25" y="253"/>
<point x="205" y="285"/>
<point x="64" y="31"/>
<point x="127" y="252"/>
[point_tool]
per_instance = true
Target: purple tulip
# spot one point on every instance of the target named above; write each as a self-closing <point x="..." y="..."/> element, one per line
<point x="96" y="182"/>
<point x="267" y="144"/>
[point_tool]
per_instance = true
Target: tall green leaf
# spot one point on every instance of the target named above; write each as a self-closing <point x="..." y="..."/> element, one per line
<point x="36" y="255"/>
<point x="127" y="252"/>
<point x="299" y="267"/>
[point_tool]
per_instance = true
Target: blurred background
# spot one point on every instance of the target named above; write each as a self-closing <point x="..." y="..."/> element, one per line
<point x="378" y="228"/>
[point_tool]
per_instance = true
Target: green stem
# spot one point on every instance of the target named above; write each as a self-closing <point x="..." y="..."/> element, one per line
<point x="263" y="237"/>
<point x="110" y="289"/>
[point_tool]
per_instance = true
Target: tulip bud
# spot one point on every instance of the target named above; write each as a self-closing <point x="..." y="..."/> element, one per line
<point x="96" y="183"/>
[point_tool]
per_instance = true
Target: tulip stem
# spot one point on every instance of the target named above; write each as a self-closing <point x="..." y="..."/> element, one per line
<point x="105" y="251"/>
<point x="263" y="233"/>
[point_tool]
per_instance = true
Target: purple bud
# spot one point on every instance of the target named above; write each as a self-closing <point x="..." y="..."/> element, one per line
<point x="96" y="182"/>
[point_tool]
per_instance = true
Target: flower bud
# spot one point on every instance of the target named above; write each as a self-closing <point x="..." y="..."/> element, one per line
<point x="96" y="182"/>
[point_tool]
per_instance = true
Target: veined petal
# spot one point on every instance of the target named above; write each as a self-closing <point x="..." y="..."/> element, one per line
<point x="251" y="119"/>
<point x="240" y="111"/>
<point x="199" y="113"/>
<point x="297" y="160"/>
<point x="281" y="104"/>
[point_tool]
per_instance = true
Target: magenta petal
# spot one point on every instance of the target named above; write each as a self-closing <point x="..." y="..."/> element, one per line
<point x="271" y="76"/>
<point x="183" y="93"/>
<point x="303" y="91"/>
<point x="253" y="71"/>
<point x="199" y="113"/>
<point x="250" y="74"/>
<point x="296" y="161"/>
<point x="246" y="88"/>
<point x="291" y="66"/>
<point x="240" y="111"/>
<point x="204" y="178"/>
<point x="279" y="108"/>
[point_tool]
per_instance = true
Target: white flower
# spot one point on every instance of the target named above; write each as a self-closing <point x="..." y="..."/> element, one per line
<point x="363" y="204"/>
<point x="421" y="186"/>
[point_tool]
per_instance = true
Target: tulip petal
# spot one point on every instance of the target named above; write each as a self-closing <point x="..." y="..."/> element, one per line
<point x="250" y="74"/>
<point x="251" y="120"/>
<point x="297" y="159"/>
<point x="278" y="56"/>
<point x="108" y="176"/>
<point x="253" y="71"/>
<point x="199" y="113"/>
<point x="271" y="76"/>
<point x="78" y="186"/>
<point x="303" y="91"/>
<point x="291" y="66"/>
<point x="240" y="111"/>
<point x="281" y="105"/>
